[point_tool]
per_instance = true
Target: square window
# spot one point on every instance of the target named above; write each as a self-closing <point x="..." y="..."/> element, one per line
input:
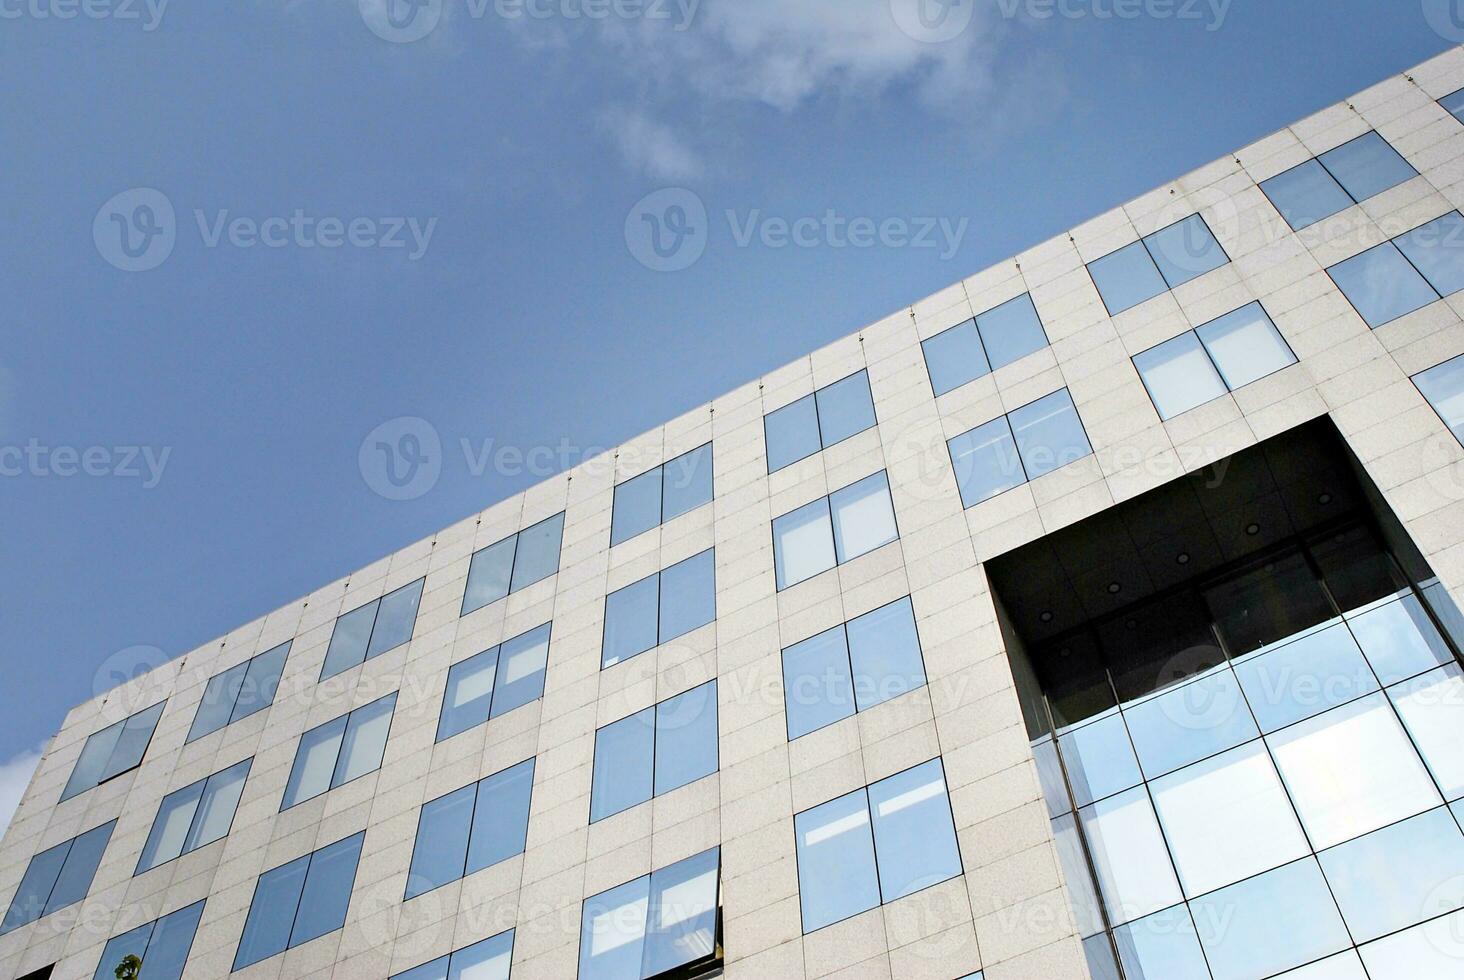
<point x="1185" y="250"/>
<point x="845" y="408"/>
<point x="803" y="543"/>
<point x="986" y="462"/>
<point x="1163" y="945"/>
<point x="1011" y="331"/>
<point x="1306" y="194"/>
<point x="836" y="871"/>
<point x="1398" y="876"/>
<point x="1100" y="761"/>
<point x="955" y="357"/>
<point x="299" y="901"/>
<point x="164" y="944"/>
<point x="1245" y="345"/>
<point x="1129" y="856"/>
<point x="1443" y="386"/>
<point x="1367" y="166"/>
<point x="1437" y="250"/>
<point x="1431" y="951"/>
<point x="113" y="751"/>
<point x="818" y="686"/>
<point x="57" y="877"/>
<point x="1204" y="717"/>
<point x="1432" y="708"/>
<point x="1126" y="278"/>
<point x="1266" y="925"/>
<point x="1179" y="375"/>
<point x="1049" y="434"/>
<point x="863" y="517"/>
<point x="1399" y="639"/>
<point x="1382" y="285"/>
<point x="1304" y="676"/>
<point x="792" y="433"/>
<point x="914" y="833"/>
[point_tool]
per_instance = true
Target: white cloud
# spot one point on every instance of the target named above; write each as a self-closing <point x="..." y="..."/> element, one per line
<point x="651" y="147"/>
<point x="15" y="776"/>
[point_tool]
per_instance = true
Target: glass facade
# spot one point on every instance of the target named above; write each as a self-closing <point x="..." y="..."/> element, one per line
<point x="818" y="421"/>
<point x="1336" y="180"/>
<point x="658" y="495"/>
<point x="1164" y="260"/>
<point x="1408" y="273"/>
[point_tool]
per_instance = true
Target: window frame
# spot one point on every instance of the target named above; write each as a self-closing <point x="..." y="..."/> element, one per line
<point x="1393" y="242"/>
<point x="446" y="960"/>
<point x="463" y="609"/>
<point x="45" y="906"/>
<point x="975" y="324"/>
<point x="655" y="709"/>
<point x="661" y="492"/>
<point x="340" y="748"/>
<point x="108" y="963"/>
<point x="691" y="968"/>
<point x="1414" y="378"/>
<point x="478" y="788"/>
<point x="818" y="419"/>
<point x="495" y="690"/>
<point x="193" y="821"/>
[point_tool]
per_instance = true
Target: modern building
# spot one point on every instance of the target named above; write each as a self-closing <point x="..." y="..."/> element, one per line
<point x="1090" y="618"/>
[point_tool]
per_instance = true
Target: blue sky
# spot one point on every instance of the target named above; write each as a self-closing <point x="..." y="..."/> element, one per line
<point x="452" y="229"/>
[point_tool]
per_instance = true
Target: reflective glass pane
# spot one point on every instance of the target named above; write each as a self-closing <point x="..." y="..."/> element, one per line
<point x="489" y="574"/>
<point x="95" y="755"/>
<point x="1099" y="953"/>
<point x="955" y="357"/>
<point x="1367" y="166"/>
<point x="1343" y="966"/>
<point x="348" y="640"/>
<point x="521" y="664"/>
<point x="327" y="891"/>
<point x="170" y="826"/>
<point x="1100" y="760"/>
<point x="884" y="651"/>
<point x="1306" y="194"/>
<point x="501" y="819"/>
<point x="1437" y="249"/>
<point x="315" y="761"/>
<point x="1268" y="924"/>
<point x="630" y="621"/>
<point x="681" y="926"/>
<point x="1227" y="818"/>
<point x="986" y="463"/>
<point x="688" y="595"/>
<point x="637" y="506"/>
<point x="436" y="970"/>
<point x="1382" y="285"/>
<point x="864" y="517"/>
<point x="172" y="938"/>
<point x="1074" y="862"/>
<point x="1162" y="946"/>
<point x="1185" y="250"/>
<point x="132" y="743"/>
<point x="80" y="867"/>
<point x="803" y="543"/>
<point x="818" y="689"/>
<point x="1305" y="676"/>
<point x="217" y="705"/>
<point x="1443" y="606"/>
<point x="1443" y="386"/>
<point x="1178" y="375"/>
<point x="686" y="738"/>
<point x="537" y="556"/>
<point x="1204" y="717"/>
<point x="844" y="409"/>
<point x="29" y="901"/>
<point x="1398" y="876"/>
<point x="1011" y="331"/>
<point x="261" y="682"/>
<point x="365" y="740"/>
<point x="792" y="433"/>
<point x="272" y="913"/>
<point x="624" y="764"/>
<point x="613" y="932"/>
<point x="1432" y="708"/>
<point x="1246" y="345"/>
<point x="1049" y="775"/>
<point x="914" y="834"/>
<point x="216" y="810"/>
<point x="441" y="851"/>
<point x="1049" y="434"/>
<point x="1351" y="771"/>
<point x="469" y="694"/>
<point x="132" y="943"/>
<point x="686" y="482"/>
<point x="836" y="872"/>
<point x="1268" y="602"/>
<point x="1128" y="851"/>
<point x="395" y="619"/>
<point x="1432" y="951"/>
<point x="1454" y="103"/>
<point x="486" y="960"/>
<point x="1126" y="278"/>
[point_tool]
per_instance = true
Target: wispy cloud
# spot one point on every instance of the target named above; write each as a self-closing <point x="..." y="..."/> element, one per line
<point x="15" y="776"/>
<point x="650" y="147"/>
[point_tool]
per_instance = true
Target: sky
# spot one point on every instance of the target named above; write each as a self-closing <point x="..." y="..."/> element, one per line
<point x="290" y="284"/>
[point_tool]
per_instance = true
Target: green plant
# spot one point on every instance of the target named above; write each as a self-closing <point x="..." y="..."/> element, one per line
<point x="129" y="968"/>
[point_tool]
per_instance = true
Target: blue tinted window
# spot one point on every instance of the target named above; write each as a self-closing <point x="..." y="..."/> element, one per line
<point x="1304" y="676"/>
<point x="613" y="932"/>
<point x="1190" y="723"/>
<point x="914" y="833"/>
<point x="803" y="543"/>
<point x="1011" y="331"/>
<point x="688" y="596"/>
<point x="630" y="621"/>
<point x="162" y="944"/>
<point x="489" y="574"/>
<point x="1162" y="945"/>
<point x="818" y="686"/>
<point x="1454" y="102"/>
<point x="471" y="829"/>
<point x="441" y="851"/>
<point x="113" y="751"/>
<point x="955" y="357"/>
<point x="339" y="750"/>
<point x="261" y="681"/>
<point x="364" y="742"/>
<point x="272" y="912"/>
<point x="395" y="619"/>
<point x="1396" y="877"/>
<point x="537" y="555"/>
<point x="686" y="482"/>
<point x="845" y="408"/>
<point x="792" y="433"/>
<point x="57" y="877"/>
<point x="1100" y="760"/>
<point x="194" y="816"/>
<point x="327" y="891"/>
<point x="1437" y="250"/>
<point x="489" y="959"/>
<point x="986" y="462"/>
<point x="863" y="517"/>
<point x="625" y="764"/>
<point x="315" y="761"/>
<point x="519" y="678"/>
<point x="1179" y="375"/>
<point x="349" y="639"/>
<point x="654" y="924"/>
<point x="1265" y="925"/>
<point x="686" y="738"/>
<point x="1367" y="166"/>
<point x="836" y="871"/>
<point x="469" y="694"/>
<point x="1399" y="639"/>
<point x="884" y="651"/>
<point x="1126" y="278"/>
<point x="1185" y="250"/>
<point x="219" y="697"/>
<point x="501" y="818"/>
<point x="1382" y="284"/>
<point x="1306" y="194"/>
<point x="1245" y="345"/>
<point x="514" y="563"/>
<point x="1049" y="434"/>
<point x="372" y="629"/>
<point x="637" y="506"/>
<point x="1443" y="386"/>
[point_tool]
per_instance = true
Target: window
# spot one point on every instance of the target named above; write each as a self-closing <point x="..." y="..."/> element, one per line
<point x="1202" y="364"/>
<point x="852" y="667"/>
<point x="373" y="629"/>
<point x="162" y="944"/>
<point x="57" y="877"/>
<point x="1454" y="102"/>
<point x="239" y="692"/>
<point x="659" y="608"/>
<point x="300" y="901"/>
<point x="193" y="816"/>
<point x="494" y="682"/>
<point x="1167" y="259"/>
<point x="661" y="921"/>
<point x="1443" y="386"/>
<point x="339" y="751"/>
<point x="655" y="751"/>
<point x="834" y="529"/>
<point x="471" y="829"/>
<point x="993" y="339"/>
<point x="1007" y="452"/>
<point x="113" y="751"/>
<point x="875" y="845"/>
<point x="657" y="495"/>
<point x="1410" y="272"/>
<point x="818" y="421"/>
<point x="516" y="562"/>
<point x="1266" y="925"/>
<point x="489" y="959"/>
<point x="1336" y="180"/>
